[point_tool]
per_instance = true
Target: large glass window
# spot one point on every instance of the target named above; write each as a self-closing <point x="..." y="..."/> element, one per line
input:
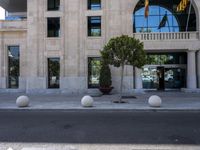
<point x="94" y="26"/>
<point x="13" y="66"/>
<point x="172" y="77"/>
<point x="166" y="70"/>
<point x="94" y="4"/>
<point x="53" y="72"/>
<point x="53" y="5"/>
<point x="94" y="65"/>
<point x="166" y="58"/>
<point x="53" y="27"/>
<point x="163" y="17"/>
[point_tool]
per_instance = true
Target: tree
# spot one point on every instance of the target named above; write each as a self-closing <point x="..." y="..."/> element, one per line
<point x="105" y="81"/>
<point x="105" y="76"/>
<point x="121" y="51"/>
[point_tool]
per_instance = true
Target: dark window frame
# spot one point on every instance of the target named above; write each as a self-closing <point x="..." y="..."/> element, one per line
<point x="55" y="7"/>
<point x="55" y="86"/>
<point x="15" y="78"/>
<point x="53" y="30"/>
<point x="94" y="23"/>
<point x="94" y="6"/>
<point x="92" y="86"/>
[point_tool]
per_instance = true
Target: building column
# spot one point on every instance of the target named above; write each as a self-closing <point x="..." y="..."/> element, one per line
<point x="198" y="68"/>
<point x="138" y="78"/>
<point x="191" y="70"/>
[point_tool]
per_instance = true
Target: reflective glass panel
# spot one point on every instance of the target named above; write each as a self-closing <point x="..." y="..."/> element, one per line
<point x="149" y="78"/>
<point x="166" y="58"/>
<point x="94" y="26"/>
<point x="53" y="72"/>
<point x="13" y="66"/>
<point x="53" y="27"/>
<point x="163" y="17"/>
<point x="175" y="78"/>
<point x="53" y="5"/>
<point x="94" y="65"/>
<point x="94" y="4"/>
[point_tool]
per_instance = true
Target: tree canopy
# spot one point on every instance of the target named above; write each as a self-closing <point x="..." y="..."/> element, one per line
<point x="121" y="51"/>
<point x="124" y="50"/>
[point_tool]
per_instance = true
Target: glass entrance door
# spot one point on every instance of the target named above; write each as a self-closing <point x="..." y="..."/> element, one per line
<point x="175" y="78"/>
<point x="164" y="77"/>
<point x="160" y="77"/>
<point x="165" y="71"/>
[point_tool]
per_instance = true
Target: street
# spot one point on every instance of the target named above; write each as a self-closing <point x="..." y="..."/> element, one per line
<point x="101" y="127"/>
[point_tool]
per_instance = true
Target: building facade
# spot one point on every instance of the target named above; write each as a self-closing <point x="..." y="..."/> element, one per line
<point x="54" y="45"/>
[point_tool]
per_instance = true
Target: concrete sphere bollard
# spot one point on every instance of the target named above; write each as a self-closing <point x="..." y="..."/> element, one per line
<point x="87" y="101"/>
<point x="22" y="101"/>
<point x="155" y="101"/>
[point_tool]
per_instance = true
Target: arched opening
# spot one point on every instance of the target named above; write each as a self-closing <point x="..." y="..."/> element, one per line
<point x="166" y="11"/>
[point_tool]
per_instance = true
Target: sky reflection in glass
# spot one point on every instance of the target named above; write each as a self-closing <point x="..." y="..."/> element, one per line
<point x="151" y="24"/>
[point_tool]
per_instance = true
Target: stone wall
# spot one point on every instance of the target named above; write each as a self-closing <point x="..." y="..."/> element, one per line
<point x="73" y="47"/>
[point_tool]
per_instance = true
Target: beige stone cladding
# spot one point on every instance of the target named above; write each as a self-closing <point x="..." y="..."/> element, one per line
<point x="73" y="46"/>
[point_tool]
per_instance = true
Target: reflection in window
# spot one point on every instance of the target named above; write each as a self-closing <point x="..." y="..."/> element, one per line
<point x="53" y="4"/>
<point x="94" y="65"/>
<point x="53" y="72"/>
<point x="13" y="66"/>
<point x="53" y="27"/>
<point x="175" y="22"/>
<point x="149" y="78"/>
<point x="94" y="4"/>
<point x="94" y="26"/>
<point x="169" y="58"/>
<point x="174" y="78"/>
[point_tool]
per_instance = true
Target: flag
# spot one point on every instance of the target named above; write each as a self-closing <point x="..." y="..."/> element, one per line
<point x="182" y="5"/>
<point x="146" y="12"/>
<point x="163" y="22"/>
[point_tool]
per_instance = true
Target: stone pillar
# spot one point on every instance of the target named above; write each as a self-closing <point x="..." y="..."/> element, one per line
<point x="198" y="68"/>
<point x="191" y="70"/>
<point x="138" y="78"/>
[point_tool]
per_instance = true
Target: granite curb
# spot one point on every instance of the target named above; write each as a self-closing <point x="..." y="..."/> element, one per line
<point x="99" y="110"/>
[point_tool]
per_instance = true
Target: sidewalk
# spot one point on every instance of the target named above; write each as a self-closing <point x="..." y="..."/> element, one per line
<point x="172" y="101"/>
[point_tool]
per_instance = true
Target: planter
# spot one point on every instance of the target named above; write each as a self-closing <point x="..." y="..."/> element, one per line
<point x="106" y="90"/>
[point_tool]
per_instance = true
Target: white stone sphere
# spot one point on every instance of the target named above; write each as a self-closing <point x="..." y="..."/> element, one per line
<point x="155" y="101"/>
<point x="87" y="101"/>
<point x="22" y="101"/>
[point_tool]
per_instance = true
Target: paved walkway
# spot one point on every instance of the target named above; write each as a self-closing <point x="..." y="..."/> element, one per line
<point x="172" y="101"/>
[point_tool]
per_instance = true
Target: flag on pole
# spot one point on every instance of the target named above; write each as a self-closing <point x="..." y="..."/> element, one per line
<point x="182" y="5"/>
<point x="163" y="22"/>
<point x="146" y="12"/>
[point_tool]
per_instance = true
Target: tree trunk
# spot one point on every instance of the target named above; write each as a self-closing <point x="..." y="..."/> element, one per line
<point x="121" y="85"/>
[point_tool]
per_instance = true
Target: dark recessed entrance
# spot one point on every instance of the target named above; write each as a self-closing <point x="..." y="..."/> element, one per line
<point x="165" y="71"/>
<point x="161" y="78"/>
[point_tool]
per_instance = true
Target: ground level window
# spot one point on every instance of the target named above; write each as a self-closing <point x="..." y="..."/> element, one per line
<point x="94" y="65"/>
<point x="165" y="71"/>
<point x="13" y="66"/>
<point x="53" y="72"/>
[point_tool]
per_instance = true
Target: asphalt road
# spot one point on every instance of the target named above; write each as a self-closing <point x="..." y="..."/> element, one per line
<point x="101" y="127"/>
